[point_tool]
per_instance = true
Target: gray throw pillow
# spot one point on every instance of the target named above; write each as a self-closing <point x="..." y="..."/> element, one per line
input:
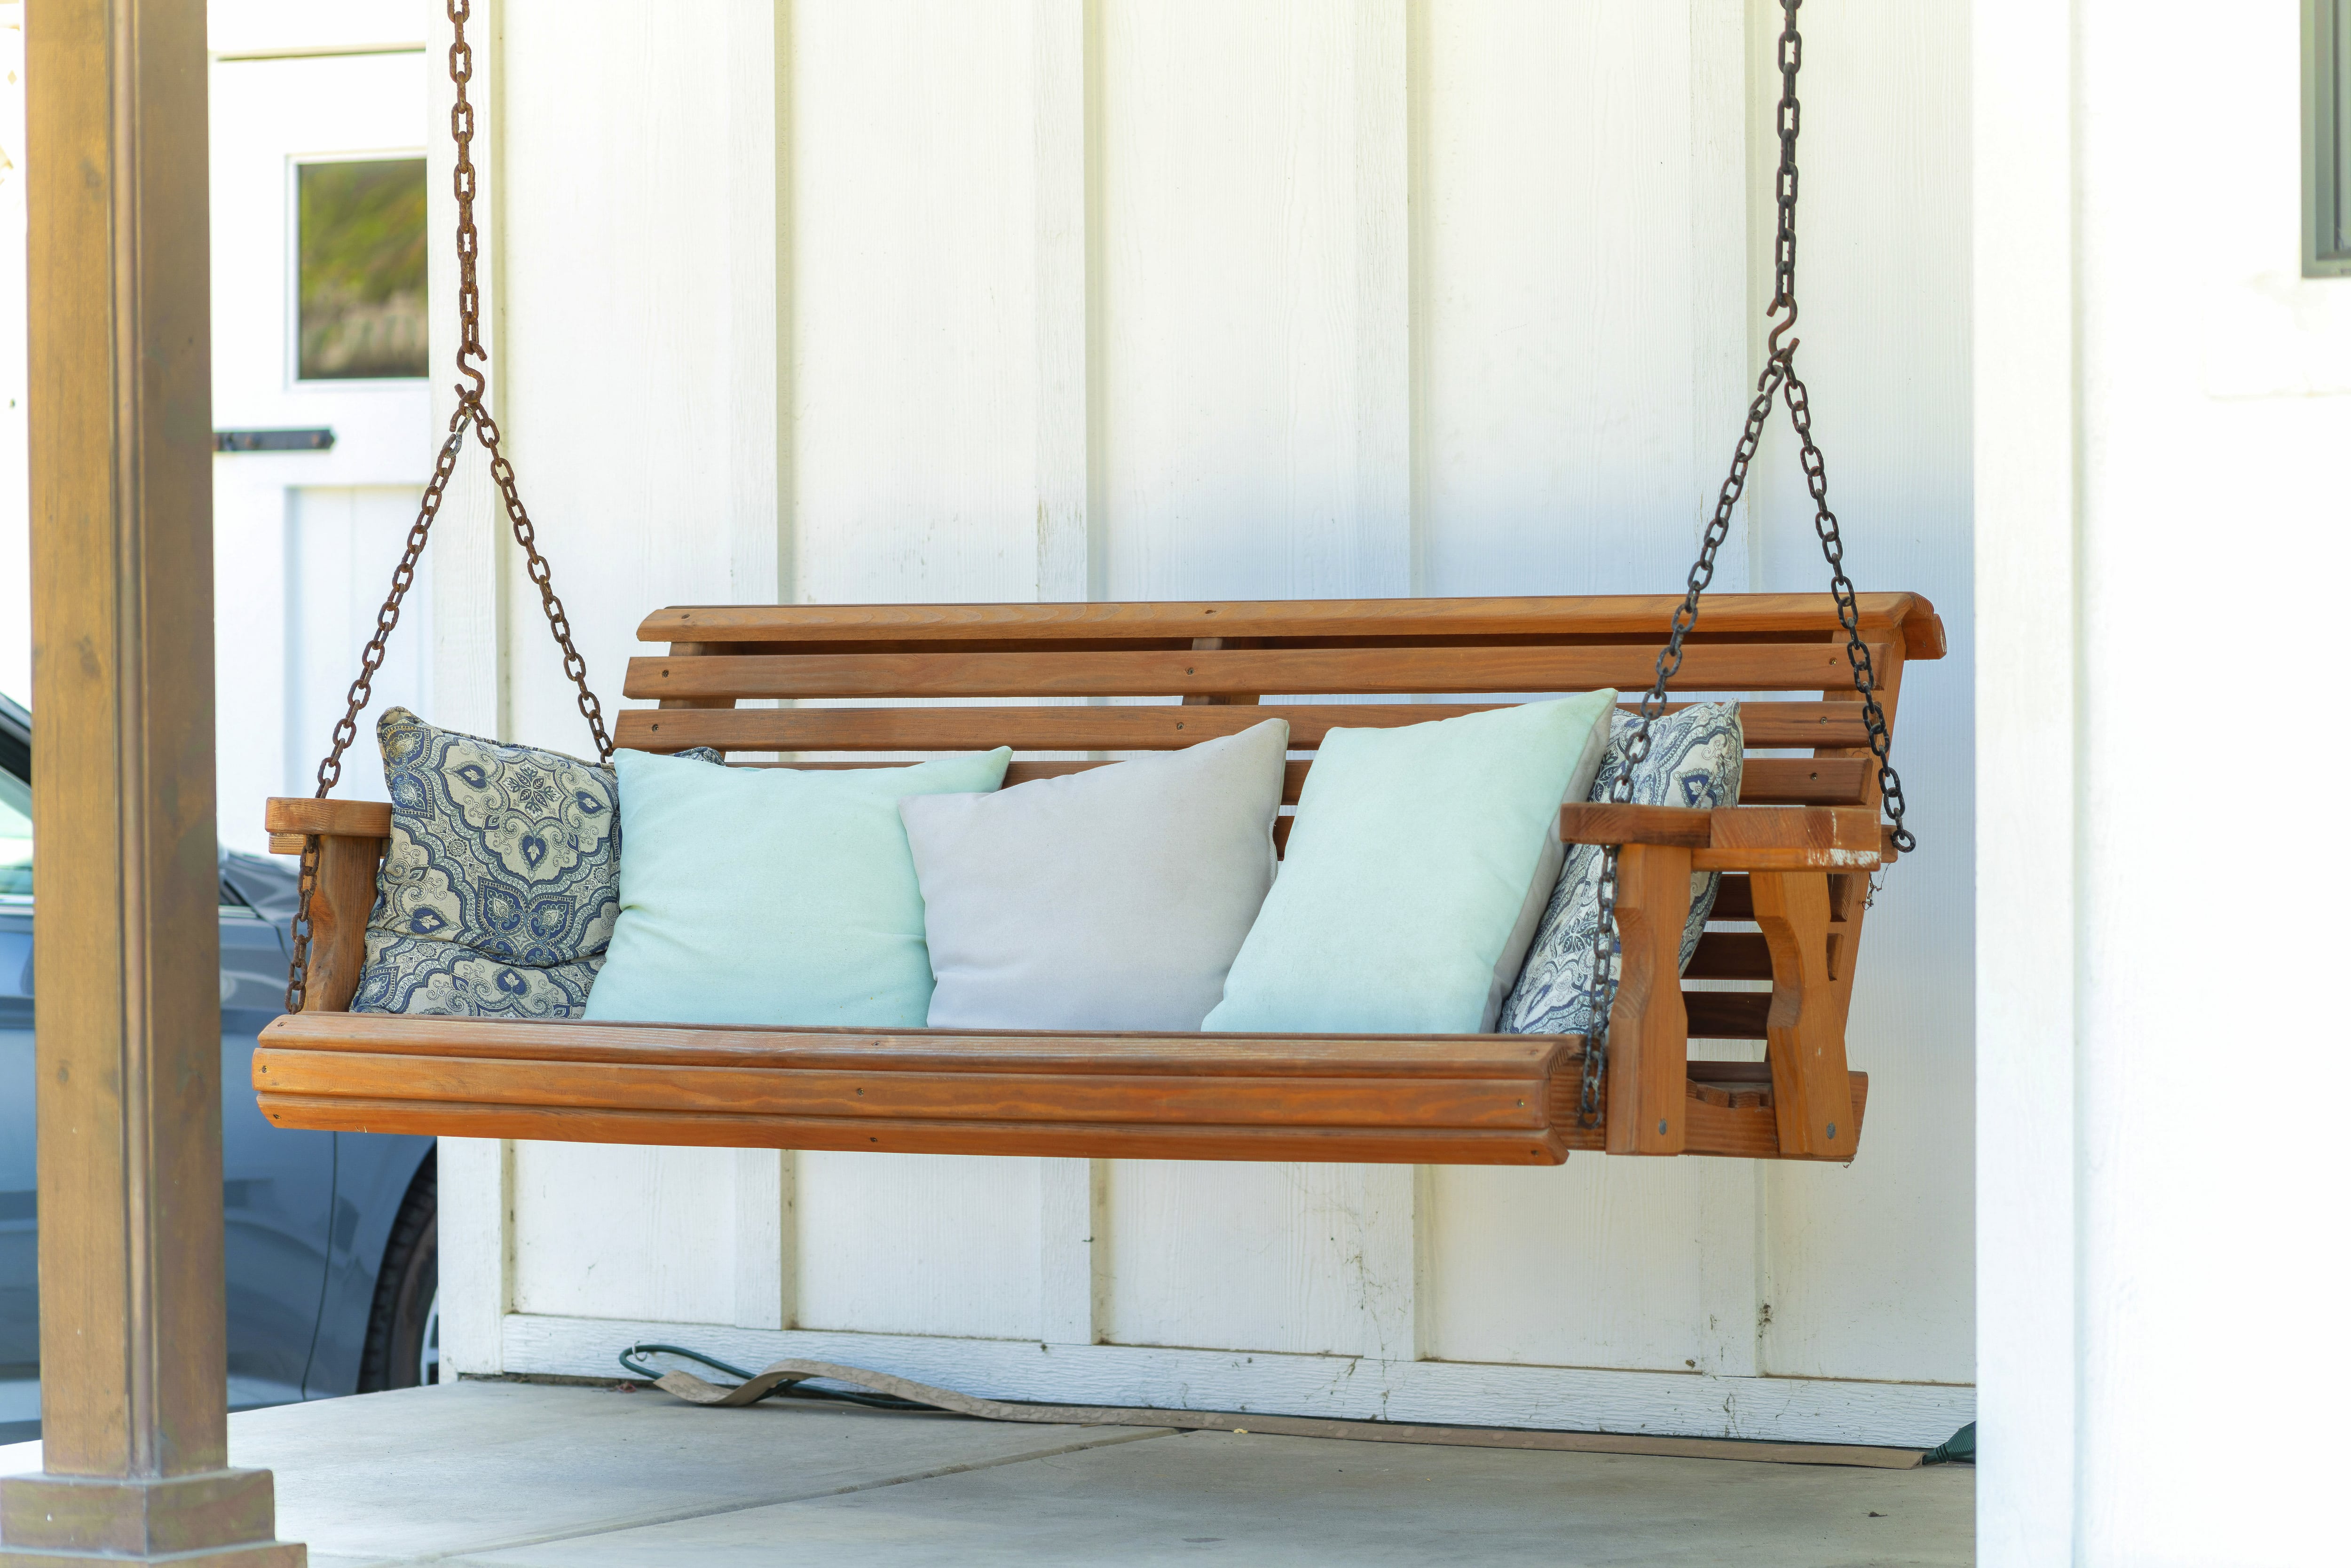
<point x="1694" y="761"/>
<point x="1110" y="899"/>
<point x="497" y="894"/>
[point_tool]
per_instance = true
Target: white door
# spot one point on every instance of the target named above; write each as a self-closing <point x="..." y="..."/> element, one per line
<point x="320" y="405"/>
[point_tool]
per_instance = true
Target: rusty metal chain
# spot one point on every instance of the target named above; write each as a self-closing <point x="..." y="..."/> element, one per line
<point x="347" y="729"/>
<point x="471" y="356"/>
<point x="1778" y="381"/>
<point x="574" y="667"/>
<point x="472" y="413"/>
<point x="1856" y="652"/>
<point x="1607" y="950"/>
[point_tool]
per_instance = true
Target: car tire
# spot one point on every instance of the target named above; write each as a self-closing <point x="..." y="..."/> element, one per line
<point x="403" y="1326"/>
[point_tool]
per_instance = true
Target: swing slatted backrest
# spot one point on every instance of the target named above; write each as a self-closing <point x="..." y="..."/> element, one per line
<point x="875" y="682"/>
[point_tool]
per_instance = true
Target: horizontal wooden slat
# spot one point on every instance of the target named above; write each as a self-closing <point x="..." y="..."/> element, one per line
<point x="342" y="818"/>
<point x="1155" y="727"/>
<point x="1734" y="899"/>
<point x="1777" y="615"/>
<point x="1188" y="1100"/>
<point x="1736" y="1126"/>
<point x="926" y="1050"/>
<point x="1804" y="782"/>
<point x="1791" y="837"/>
<point x="1766" y="781"/>
<point x="1727" y="1015"/>
<point x="1350" y="1145"/>
<point x="1613" y="824"/>
<point x="1161" y="726"/>
<point x="1736" y="838"/>
<point x="1729" y="956"/>
<point x="1304" y="671"/>
<point x="1768" y="726"/>
<point x="1775" y="725"/>
<point x="1786" y="859"/>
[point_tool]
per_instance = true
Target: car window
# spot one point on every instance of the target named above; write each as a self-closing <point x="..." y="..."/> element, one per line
<point x="17" y="854"/>
<point x="15" y="837"/>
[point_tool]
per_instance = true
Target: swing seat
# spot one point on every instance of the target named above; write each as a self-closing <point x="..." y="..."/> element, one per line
<point x="1797" y="853"/>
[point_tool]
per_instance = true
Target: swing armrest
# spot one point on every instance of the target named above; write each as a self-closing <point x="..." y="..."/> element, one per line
<point x="1738" y="838"/>
<point x="351" y="837"/>
<point x="290" y="820"/>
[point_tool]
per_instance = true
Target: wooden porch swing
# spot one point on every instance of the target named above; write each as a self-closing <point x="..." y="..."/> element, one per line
<point x="1799" y="851"/>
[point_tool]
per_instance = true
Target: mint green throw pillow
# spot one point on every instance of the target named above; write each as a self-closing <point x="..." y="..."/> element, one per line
<point x="1416" y="875"/>
<point x="772" y="896"/>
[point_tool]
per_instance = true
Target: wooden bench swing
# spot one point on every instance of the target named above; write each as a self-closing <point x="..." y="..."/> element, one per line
<point x="1798" y="853"/>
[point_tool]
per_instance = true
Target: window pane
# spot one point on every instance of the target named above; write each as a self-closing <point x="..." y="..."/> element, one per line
<point x="362" y="284"/>
<point x="15" y="836"/>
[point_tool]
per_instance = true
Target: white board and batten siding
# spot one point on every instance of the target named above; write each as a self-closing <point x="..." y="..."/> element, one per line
<point x="878" y="300"/>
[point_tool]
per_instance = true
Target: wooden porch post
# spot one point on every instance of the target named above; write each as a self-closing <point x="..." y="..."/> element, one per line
<point x="133" y="1349"/>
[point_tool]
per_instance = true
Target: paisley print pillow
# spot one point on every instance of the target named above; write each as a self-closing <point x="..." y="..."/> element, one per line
<point x="1694" y="761"/>
<point x="497" y="894"/>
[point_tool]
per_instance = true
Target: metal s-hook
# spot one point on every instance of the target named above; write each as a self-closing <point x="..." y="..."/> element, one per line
<point x="470" y="397"/>
<point x="1772" y="348"/>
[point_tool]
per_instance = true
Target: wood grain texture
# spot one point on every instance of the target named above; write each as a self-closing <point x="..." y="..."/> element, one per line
<point x="1806" y="1029"/>
<point x="1803" y="781"/>
<point x="1765" y="781"/>
<point x="1727" y="1015"/>
<point x="1231" y="672"/>
<point x="1737" y="1130"/>
<point x="686" y="699"/>
<point x="1157" y="727"/>
<point x="619" y="1085"/>
<point x="1792" y="838"/>
<point x="1729" y="956"/>
<point x="1621" y="615"/>
<point x="305" y="814"/>
<point x="120" y="1101"/>
<point x="1768" y="723"/>
<point x="1605" y="823"/>
<point x="1174" y="1099"/>
<point x="1738" y="838"/>
<point x="938" y="1051"/>
<point x="1648" y="1032"/>
<point x="626" y="1125"/>
<point x="340" y="904"/>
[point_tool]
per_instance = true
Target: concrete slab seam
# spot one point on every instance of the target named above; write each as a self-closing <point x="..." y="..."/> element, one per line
<point x="466" y="1556"/>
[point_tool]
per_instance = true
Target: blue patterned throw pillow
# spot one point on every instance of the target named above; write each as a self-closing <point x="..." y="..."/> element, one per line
<point x="497" y="894"/>
<point x="1694" y="761"/>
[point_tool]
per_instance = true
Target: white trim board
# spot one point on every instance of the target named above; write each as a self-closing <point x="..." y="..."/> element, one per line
<point x="1470" y="1394"/>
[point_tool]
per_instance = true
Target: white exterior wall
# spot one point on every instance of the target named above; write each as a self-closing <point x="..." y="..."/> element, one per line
<point x="2164" y="414"/>
<point x="902" y="301"/>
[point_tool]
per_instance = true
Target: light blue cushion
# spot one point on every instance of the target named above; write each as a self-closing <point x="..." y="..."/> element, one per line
<point x="1695" y="758"/>
<point x="1417" y="871"/>
<point x="772" y="896"/>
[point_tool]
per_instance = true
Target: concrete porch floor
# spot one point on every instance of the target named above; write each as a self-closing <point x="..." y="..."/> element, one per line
<point x="528" y="1476"/>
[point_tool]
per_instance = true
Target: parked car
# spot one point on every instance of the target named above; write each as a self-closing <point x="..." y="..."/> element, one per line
<point x="332" y="1255"/>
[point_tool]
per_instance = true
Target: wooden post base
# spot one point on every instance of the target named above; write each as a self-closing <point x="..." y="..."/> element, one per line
<point x="214" y="1519"/>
